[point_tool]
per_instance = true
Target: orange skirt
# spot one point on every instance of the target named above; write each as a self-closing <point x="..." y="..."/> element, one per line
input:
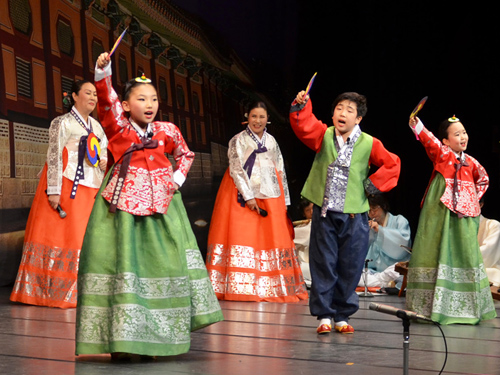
<point x="49" y="265"/>
<point x="250" y="257"/>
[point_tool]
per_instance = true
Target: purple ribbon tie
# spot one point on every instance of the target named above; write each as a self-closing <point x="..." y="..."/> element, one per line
<point x="248" y="167"/>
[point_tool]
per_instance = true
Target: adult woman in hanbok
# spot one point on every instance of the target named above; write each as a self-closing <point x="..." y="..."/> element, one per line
<point x="251" y="254"/>
<point x="69" y="181"/>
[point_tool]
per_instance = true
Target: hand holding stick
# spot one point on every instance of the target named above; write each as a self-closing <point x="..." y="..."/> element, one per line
<point x="103" y="60"/>
<point x="302" y="97"/>
<point x="413" y="115"/>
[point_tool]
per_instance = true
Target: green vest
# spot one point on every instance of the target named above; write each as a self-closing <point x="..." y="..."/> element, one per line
<point x="314" y="188"/>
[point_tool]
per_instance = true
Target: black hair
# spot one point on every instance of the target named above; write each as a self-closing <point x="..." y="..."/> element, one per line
<point x="256" y="104"/>
<point x="302" y="205"/>
<point x="379" y="200"/>
<point x="443" y="129"/>
<point x="130" y="85"/>
<point x="76" y="86"/>
<point x="360" y="100"/>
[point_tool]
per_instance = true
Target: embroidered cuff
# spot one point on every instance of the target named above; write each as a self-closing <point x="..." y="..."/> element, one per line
<point x="296" y="107"/>
<point x="102" y="73"/>
<point x="370" y="188"/>
<point x="53" y="190"/>
<point x="418" y="128"/>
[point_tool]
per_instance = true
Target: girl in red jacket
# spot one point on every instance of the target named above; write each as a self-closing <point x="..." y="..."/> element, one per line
<point x="447" y="280"/>
<point x="143" y="286"/>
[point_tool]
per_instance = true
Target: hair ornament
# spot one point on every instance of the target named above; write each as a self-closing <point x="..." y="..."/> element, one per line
<point x="143" y="79"/>
<point x="453" y="119"/>
<point x="245" y="122"/>
<point x="67" y="100"/>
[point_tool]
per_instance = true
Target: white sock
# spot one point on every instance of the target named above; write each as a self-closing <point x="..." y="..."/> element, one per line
<point x="341" y="323"/>
<point x="325" y="321"/>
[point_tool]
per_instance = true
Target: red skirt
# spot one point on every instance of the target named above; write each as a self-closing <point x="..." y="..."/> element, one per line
<point x="49" y="265"/>
<point x="250" y="257"/>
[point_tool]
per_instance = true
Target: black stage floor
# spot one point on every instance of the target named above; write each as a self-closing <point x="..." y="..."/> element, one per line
<point x="258" y="338"/>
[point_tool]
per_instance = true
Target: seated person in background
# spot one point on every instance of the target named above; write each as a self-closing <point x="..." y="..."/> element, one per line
<point x="389" y="244"/>
<point x="302" y="230"/>
<point x="489" y="244"/>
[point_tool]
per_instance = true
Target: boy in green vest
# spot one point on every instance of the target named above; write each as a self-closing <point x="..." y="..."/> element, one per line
<point x="338" y="185"/>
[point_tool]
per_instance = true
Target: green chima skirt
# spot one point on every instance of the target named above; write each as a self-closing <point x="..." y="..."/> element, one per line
<point x="142" y="283"/>
<point x="447" y="280"/>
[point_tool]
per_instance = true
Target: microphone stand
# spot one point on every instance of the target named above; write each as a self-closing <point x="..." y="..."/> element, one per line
<point x="406" y="341"/>
<point x="405" y="316"/>
<point x="366" y="293"/>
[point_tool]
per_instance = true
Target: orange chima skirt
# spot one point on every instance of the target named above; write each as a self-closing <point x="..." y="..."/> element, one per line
<point x="49" y="266"/>
<point x="250" y="257"/>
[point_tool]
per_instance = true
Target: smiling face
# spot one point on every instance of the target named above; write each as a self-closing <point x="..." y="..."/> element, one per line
<point x="345" y="117"/>
<point x="457" y="137"/>
<point x="257" y="120"/>
<point x="142" y="103"/>
<point x="85" y="100"/>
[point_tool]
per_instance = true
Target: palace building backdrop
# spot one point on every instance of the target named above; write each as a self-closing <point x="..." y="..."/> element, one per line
<point x="209" y="63"/>
<point x="203" y="88"/>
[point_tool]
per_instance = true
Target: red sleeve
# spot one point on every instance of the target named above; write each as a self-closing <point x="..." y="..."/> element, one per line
<point x="481" y="178"/>
<point x="387" y="175"/>
<point x="433" y="146"/>
<point x="306" y="126"/>
<point x="109" y="108"/>
<point x="182" y="154"/>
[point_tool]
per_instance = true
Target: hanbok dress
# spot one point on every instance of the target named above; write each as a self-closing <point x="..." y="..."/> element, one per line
<point x="48" y="271"/>
<point x="447" y="281"/>
<point x="390" y="245"/>
<point x="143" y="283"/>
<point x="252" y="257"/>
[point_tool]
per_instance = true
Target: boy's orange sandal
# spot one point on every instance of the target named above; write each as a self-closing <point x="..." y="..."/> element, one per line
<point x="346" y="328"/>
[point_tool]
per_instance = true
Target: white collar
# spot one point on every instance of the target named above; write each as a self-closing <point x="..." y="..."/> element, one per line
<point x="139" y="130"/>
<point x="87" y="123"/>
<point x="459" y="156"/>
<point x="256" y="136"/>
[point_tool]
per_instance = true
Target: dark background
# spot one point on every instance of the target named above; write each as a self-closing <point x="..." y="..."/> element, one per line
<point x="394" y="53"/>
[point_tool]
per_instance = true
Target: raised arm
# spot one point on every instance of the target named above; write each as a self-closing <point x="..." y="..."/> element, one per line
<point x="304" y="124"/>
<point x="109" y="108"/>
<point x="433" y="146"/>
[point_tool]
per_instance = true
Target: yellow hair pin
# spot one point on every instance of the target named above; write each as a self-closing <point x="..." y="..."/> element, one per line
<point x="143" y="79"/>
<point x="453" y="119"/>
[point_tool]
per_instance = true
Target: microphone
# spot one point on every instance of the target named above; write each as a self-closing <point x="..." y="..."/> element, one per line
<point x="62" y="213"/>
<point x="386" y="309"/>
<point x="262" y="212"/>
